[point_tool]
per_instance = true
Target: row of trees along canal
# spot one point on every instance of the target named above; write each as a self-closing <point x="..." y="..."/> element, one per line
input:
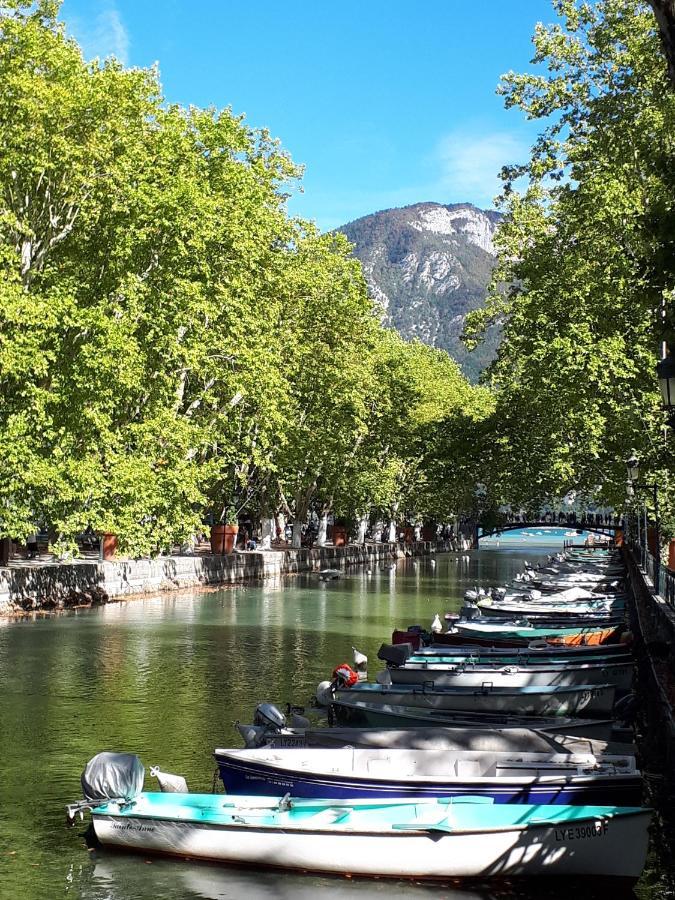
<point x="175" y="346"/>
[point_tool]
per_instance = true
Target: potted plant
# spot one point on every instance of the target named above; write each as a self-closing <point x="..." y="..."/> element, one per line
<point x="224" y="534"/>
<point x="231" y="530"/>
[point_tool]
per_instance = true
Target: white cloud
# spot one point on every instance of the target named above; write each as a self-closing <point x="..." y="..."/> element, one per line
<point x="470" y="164"/>
<point x="103" y="35"/>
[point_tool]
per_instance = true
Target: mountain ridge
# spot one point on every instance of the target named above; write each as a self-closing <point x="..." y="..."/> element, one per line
<point x="428" y="264"/>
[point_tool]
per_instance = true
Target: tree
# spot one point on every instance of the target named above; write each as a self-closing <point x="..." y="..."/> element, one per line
<point x="139" y="244"/>
<point x="583" y="259"/>
<point x="664" y="10"/>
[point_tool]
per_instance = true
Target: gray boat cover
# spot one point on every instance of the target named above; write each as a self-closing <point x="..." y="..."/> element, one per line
<point x="113" y="776"/>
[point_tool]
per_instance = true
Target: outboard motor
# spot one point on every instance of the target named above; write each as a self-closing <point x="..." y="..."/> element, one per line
<point x="498" y="593"/>
<point x="113" y="776"/>
<point x="108" y="777"/>
<point x="269" y="716"/>
<point x="471" y="596"/>
<point x="470" y="611"/>
<point x="253" y="736"/>
<point x="324" y="693"/>
<point x="267" y="720"/>
<point x="395" y="654"/>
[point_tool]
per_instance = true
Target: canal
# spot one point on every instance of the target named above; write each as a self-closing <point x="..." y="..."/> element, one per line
<point x="166" y="678"/>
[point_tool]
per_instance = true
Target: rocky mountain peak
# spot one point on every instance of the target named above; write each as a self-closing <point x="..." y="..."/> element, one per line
<point x="428" y="265"/>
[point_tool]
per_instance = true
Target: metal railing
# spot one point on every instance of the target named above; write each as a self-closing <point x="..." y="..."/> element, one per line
<point x="661" y="577"/>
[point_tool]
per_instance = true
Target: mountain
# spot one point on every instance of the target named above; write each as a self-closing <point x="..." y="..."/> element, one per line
<point x="428" y="265"/>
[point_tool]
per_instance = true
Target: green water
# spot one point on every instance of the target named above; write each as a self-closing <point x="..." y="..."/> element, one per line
<point x="166" y="678"/>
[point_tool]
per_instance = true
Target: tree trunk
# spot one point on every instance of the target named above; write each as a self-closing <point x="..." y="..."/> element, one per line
<point x="664" y="11"/>
<point x="392" y="532"/>
<point x="267" y="528"/>
<point x="280" y="526"/>
<point x="297" y="534"/>
<point x="363" y="525"/>
<point x="322" y="534"/>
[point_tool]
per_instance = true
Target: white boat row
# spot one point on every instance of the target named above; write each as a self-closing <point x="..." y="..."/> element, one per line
<point x="499" y="765"/>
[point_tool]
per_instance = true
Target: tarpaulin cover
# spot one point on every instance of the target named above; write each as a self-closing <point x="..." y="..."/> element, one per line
<point x="110" y="776"/>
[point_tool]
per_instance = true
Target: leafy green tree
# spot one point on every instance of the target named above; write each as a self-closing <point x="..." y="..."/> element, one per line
<point x="139" y="245"/>
<point x="583" y="268"/>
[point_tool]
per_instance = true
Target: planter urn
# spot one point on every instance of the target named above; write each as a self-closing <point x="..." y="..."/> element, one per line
<point x="223" y="539"/>
<point x="108" y="545"/>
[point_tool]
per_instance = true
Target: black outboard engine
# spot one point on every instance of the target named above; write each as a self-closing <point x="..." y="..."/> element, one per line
<point x="267" y="720"/>
<point x="470" y="611"/>
<point x="394" y="654"/>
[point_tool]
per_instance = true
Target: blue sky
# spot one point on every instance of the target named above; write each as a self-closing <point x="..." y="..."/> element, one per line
<point x="384" y="103"/>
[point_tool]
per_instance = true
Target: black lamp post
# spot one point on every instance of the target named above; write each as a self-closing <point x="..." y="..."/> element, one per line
<point x="633" y="468"/>
<point x="665" y="371"/>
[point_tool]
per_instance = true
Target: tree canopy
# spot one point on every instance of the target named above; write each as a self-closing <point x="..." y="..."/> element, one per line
<point x="172" y="342"/>
<point x="586" y="261"/>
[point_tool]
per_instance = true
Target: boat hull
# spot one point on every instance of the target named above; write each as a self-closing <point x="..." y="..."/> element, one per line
<point x="597" y="845"/>
<point x="590" y="701"/>
<point x="527" y="740"/>
<point x="469" y="638"/>
<point x="242" y="776"/>
<point x="439" y="676"/>
<point x="374" y="715"/>
<point x="540" y="653"/>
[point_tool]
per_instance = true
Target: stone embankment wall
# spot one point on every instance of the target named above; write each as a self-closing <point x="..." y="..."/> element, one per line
<point x="58" y="585"/>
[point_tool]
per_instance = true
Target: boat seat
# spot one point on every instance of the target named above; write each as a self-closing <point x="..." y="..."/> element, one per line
<point x="469" y="768"/>
<point x="330" y="816"/>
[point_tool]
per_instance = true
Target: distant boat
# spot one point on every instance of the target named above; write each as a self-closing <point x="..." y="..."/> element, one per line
<point x="442" y="675"/>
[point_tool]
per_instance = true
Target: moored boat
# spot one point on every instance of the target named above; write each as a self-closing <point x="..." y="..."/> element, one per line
<point x="505" y="776"/>
<point x="358" y="712"/>
<point x="538" y="650"/>
<point x="498" y="631"/>
<point x="424" y="840"/>
<point x="442" y="675"/>
<point x="429" y="737"/>
<point x="593" y="701"/>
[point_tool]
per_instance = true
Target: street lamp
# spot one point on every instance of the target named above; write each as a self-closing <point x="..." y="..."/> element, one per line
<point x="665" y="370"/>
<point x="633" y="467"/>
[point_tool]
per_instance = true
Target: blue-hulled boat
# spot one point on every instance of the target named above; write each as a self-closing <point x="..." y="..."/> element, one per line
<point x="505" y="777"/>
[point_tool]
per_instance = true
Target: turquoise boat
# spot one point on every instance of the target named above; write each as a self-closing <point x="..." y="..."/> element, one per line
<point x="509" y="659"/>
<point x="440" y="839"/>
